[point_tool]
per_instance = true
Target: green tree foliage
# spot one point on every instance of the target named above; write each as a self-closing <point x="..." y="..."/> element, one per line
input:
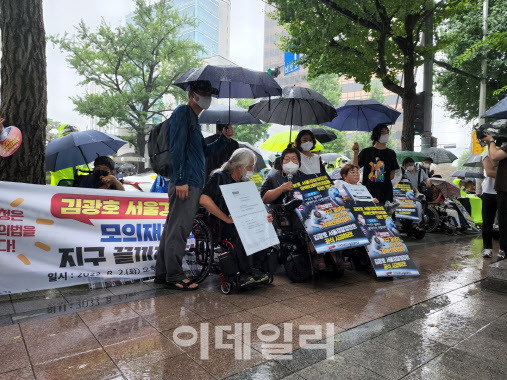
<point x="462" y="34"/>
<point x="134" y="66"/>
<point x="364" y="141"/>
<point x="52" y="130"/>
<point x="377" y="91"/>
<point x="463" y="158"/>
<point x="250" y="133"/>
<point x="329" y="86"/>
<point x="361" y="39"/>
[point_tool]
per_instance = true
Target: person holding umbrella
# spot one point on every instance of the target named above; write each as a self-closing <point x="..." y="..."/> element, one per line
<point x="216" y="161"/>
<point x="310" y="162"/>
<point x="188" y="151"/>
<point x="379" y="164"/>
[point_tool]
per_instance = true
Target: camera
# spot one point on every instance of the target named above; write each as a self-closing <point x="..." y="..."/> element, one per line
<point x="497" y="130"/>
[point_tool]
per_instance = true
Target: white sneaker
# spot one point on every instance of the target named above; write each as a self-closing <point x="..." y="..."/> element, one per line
<point x="487" y="253"/>
<point x="501" y="254"/>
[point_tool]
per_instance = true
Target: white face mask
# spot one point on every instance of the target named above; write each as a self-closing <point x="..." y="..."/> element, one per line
<point x="202" y="101"/>
<point x="247" y="176"/>
<point x="383" y="139"/>
<point x="410" y="168"/>
<point x="426" y="166"/>
<point x="290" y="168"/>
<point x="307" y="146"/>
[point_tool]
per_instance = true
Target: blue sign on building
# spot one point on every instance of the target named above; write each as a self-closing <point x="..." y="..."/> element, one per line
<point x="289" y="63"/>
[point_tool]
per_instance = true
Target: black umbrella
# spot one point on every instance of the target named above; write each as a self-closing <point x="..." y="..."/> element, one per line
<point x="296" y="106"/>
<point x="232" y="81"/>
<point x="440" y="155"/>
<point x="498" y="111"/>
<point x="259" y="160"/>
<point x="324" y="135"/>
<point x="467" y="174"/>
<point x="474" y="161"/>
<point x="220" y="115"/>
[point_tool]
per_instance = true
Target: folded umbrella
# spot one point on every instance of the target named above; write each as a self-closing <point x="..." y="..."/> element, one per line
<point x="220" y="115"/>
<point x="498" y="111"/>
<point x="362" y="115"/>
<point x="440" y="155"/>
<point x="80" y="148"/>
<point x="467" y="174"/>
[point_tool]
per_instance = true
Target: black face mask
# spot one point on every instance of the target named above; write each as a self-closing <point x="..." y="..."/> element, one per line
<point x="100" y="173"/>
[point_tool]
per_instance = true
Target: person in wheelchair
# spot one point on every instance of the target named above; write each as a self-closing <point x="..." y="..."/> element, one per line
<point x="277" y="188"/>
<point x="237" y="169"/>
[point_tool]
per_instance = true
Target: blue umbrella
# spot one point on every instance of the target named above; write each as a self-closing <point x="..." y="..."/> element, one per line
<point x="80" y="148"/>
<point x="232" y="81"/>
<point x="220" y="115"/>
<point x="498" y="111"/>
<point x="362" y="115"/>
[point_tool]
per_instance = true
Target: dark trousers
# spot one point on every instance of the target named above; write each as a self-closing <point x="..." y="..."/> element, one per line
<point x="178" y="226"/>
<point x="489" y="207"/>
<point x="245" y="263"/>
<point x="502" y="218"/>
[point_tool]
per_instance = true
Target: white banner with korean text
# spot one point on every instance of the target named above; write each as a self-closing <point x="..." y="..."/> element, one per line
<point x="53" y="237"/>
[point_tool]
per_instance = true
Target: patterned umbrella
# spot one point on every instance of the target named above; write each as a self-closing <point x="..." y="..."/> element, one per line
<point x="449" y="190"/>
<point x="440" y="155"/>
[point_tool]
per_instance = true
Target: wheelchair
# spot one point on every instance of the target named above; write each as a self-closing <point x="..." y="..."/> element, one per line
<point x="293" y="251"/>
<point x="209" y="251"/>
<point x="437" y="218"/>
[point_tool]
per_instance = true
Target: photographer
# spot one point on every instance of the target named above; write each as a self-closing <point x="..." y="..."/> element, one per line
<point x="102" y="176"/>
<point x="500" y="155"/>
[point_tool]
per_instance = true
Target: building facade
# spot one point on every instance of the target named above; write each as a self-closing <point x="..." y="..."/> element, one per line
<point x="212" y="28"/>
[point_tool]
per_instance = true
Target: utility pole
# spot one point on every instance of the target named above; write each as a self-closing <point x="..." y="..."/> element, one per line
<point x="484" y="63"/>
<point x="428" y="78"/>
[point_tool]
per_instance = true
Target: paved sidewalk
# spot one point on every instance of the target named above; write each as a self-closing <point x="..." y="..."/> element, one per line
<point x="421" y="327"/>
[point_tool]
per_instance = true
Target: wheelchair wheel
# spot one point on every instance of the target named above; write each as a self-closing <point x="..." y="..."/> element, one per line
<point x="298" y="268"/>
<point x="199" y="252"/>
<point x="227" y="287"/>
<point x="432" y="219"/>
<point x="419" y="233"/>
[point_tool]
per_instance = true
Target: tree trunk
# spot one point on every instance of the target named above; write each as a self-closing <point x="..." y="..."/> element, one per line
<point x="23" y="89"/>
<point x="408" y="104"/>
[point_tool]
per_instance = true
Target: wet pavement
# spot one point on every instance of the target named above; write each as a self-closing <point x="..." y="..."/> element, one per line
<point x="443" y="324"/>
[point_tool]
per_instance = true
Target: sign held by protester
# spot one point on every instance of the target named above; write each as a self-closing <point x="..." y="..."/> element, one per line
<point x="250" y="216"/>
<point x="388" y="254"/>
<point x="329" y="224"/>
<point x="407" y="209"/>
<point x="10" y="140"/>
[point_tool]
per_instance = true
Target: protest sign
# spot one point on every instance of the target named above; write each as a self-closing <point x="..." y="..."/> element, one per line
<point x="53" y="237"/>
<point x="388" y="253"/>
<point x="407" y="209"/>
<point x="329" y="224"/>
<point x="250" y="216"/>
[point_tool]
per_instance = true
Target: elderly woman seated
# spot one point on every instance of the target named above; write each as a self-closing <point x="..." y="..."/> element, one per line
<point x="239" y="168"/>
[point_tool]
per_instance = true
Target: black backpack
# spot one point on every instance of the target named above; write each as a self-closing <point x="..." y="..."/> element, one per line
<point x="158" y="149"/>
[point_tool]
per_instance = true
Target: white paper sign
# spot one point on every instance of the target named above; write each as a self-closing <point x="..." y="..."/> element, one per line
<point x="358" y="192"/>
<point x="250" y="216"/>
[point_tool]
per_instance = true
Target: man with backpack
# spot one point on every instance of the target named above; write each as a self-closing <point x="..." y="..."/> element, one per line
<point x="188" y="152"/>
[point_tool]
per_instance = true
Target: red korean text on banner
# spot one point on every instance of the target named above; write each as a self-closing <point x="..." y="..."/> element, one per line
<point x="84" y="208"/>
